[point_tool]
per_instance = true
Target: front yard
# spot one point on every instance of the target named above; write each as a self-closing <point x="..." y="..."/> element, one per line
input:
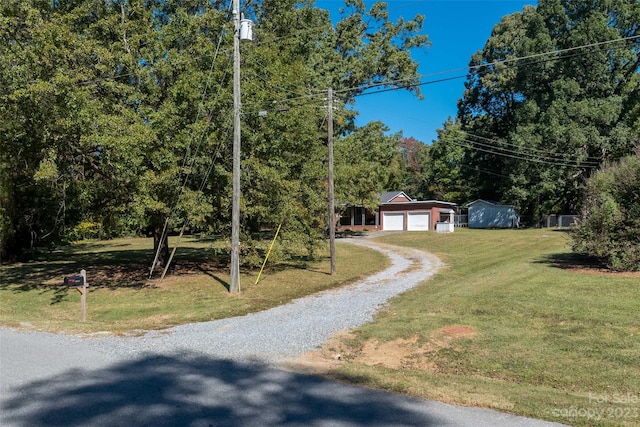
<point x="515" y="322"/>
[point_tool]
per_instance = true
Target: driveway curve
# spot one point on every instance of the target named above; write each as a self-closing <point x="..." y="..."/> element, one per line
<point x="222" y="373"/>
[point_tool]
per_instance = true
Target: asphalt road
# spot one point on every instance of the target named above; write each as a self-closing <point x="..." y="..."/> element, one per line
<point x="59" y="380"/>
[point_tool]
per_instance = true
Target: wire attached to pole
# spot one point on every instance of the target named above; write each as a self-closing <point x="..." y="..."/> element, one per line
<point x="268" y="253"/>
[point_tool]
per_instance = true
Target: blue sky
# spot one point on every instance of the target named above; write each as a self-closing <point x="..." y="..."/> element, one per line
<point x="456" y="29"/>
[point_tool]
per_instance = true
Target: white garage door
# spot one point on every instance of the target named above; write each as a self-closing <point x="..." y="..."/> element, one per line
<point x="418" y="221"/>
<point x="393" y="221"/>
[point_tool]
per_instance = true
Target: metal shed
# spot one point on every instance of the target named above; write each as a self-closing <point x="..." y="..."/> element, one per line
<point x="488" y="214"/>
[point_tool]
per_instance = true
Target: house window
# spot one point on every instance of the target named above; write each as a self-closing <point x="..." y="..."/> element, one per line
<point x="345" y="218"/>
<point x="370" y="218"/>
<point x="358" y="215"/>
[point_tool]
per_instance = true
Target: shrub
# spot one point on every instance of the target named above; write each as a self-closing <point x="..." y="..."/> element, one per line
<point x="86" y="230"/>
<point x="609" y="228"/>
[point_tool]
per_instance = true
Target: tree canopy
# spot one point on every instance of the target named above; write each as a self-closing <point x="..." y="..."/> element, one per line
<point x="551" y="97"/>
<point x="119" y="113"/>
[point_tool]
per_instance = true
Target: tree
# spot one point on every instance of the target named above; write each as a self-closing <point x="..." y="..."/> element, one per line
<point x="56" y="83"/>
<point x="368" y="162"/>
<point x="609" y="229"/>
<point x="445" y="166"/>
<point x="415" y="155"/>
<point x="101" y="111"/>
<point x="541" y="124"/>
<point x="120" y="112"/>
<point x="170" y="55"/>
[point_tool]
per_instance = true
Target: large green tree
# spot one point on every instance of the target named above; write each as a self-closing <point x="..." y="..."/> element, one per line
<point x="120" y="112"/>
<point x="368" y="162"/>
<point x="300" y="54"/>
<point x="415" y="157"/>
<point x="552" y="96"/>
<point x="58" y="120"/>
<point x="445" y="166"/>
<point x="103" y="105"/>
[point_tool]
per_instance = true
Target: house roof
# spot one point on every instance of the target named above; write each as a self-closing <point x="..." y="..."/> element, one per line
<point x="418" y="202"/>
<point x="386" y="199"/>
<point x="390" y="195"/>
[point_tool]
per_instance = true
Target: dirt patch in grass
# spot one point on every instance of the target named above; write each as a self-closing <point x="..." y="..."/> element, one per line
<point x="459" y="330"/>
<point x="396" y="354"/>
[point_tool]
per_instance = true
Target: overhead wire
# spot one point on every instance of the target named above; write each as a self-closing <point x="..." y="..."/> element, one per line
<point x="489" y="64"/>
<point x="531" y="154"/>
<point x="470" y="145"/>
<point x="203" y="183"/>
<point x="588" y="159"/>
<point x="466" y="166"/>
<point x="541" y="155"/>
<point x="408" y="83"/>
<point x="188" y="173"/>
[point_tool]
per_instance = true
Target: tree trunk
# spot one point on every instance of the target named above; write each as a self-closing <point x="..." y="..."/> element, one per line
<point x="162" y="256"/>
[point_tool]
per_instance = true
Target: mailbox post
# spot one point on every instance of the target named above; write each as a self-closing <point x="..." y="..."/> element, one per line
<point x="80" y="284"/>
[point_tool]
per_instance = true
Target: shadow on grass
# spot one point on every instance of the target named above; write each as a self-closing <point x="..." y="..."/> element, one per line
<point x="109" y="269"/>
<point x="187" y="390"/>
<point x="571" y="261"/>
<point x="215" y="277"/>
<point x="117" y="266"/>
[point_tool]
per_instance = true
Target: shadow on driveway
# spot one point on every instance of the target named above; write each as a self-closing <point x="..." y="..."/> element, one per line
<point x="192" y="390"/>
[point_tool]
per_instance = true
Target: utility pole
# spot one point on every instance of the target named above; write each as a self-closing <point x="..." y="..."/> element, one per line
<point x="234" y="285"/>
<point x="332" y="209"/>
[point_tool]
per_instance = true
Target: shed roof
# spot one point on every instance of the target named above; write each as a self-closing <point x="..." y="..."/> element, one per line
<point x="488" y="202"/>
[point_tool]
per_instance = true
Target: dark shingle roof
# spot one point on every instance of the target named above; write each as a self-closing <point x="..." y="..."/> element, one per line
<point x="390" y="195"/>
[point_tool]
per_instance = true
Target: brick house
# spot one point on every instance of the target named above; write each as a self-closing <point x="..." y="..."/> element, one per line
<point x="397" y="211"/>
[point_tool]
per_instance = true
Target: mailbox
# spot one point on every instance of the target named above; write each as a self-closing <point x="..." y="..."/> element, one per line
<point x="74" y="281"/>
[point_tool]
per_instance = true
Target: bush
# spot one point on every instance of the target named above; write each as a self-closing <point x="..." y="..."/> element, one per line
<point x="609" y="229"/>
<point x="86" y="230"/>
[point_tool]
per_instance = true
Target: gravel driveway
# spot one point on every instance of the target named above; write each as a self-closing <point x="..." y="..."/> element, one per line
<point x="221" y="373"/>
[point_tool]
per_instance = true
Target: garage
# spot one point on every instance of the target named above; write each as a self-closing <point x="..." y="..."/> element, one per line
<point x="393" y="221"/>
<point x="418" y="221"/>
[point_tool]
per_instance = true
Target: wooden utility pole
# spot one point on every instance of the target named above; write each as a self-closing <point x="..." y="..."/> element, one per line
<point x="234" y="285"/>
<point x="332" y="208"/>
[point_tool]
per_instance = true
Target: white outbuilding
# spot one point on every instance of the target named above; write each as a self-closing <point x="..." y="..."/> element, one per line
<point x="487" y="214"/>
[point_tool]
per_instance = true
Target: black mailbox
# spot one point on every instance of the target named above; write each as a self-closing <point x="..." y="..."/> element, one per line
<point x="74" y="281"/>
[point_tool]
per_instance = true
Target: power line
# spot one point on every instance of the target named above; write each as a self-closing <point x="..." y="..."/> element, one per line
<point x="165" y="229"/>
<point x="408" y="83"/>
<point x="412" y="80"/>
<point x="474" y="168"/>
<point x="595" y="160"/>
<point x="471" y="146"/>
<point x="523" y="153"/>
<point x="430" y="82"/>
<point x="472" y="67"/>
<point x="515" y="154"/>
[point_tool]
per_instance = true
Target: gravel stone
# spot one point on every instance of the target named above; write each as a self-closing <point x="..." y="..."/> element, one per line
<point x="285" y="331"/>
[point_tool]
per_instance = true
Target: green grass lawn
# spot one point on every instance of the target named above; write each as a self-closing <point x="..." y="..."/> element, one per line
<point x="121" y="299"/>
<point x="549" y="338"/>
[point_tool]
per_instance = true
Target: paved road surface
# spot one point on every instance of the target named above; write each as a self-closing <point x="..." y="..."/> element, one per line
<point x="57" y="380"/>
